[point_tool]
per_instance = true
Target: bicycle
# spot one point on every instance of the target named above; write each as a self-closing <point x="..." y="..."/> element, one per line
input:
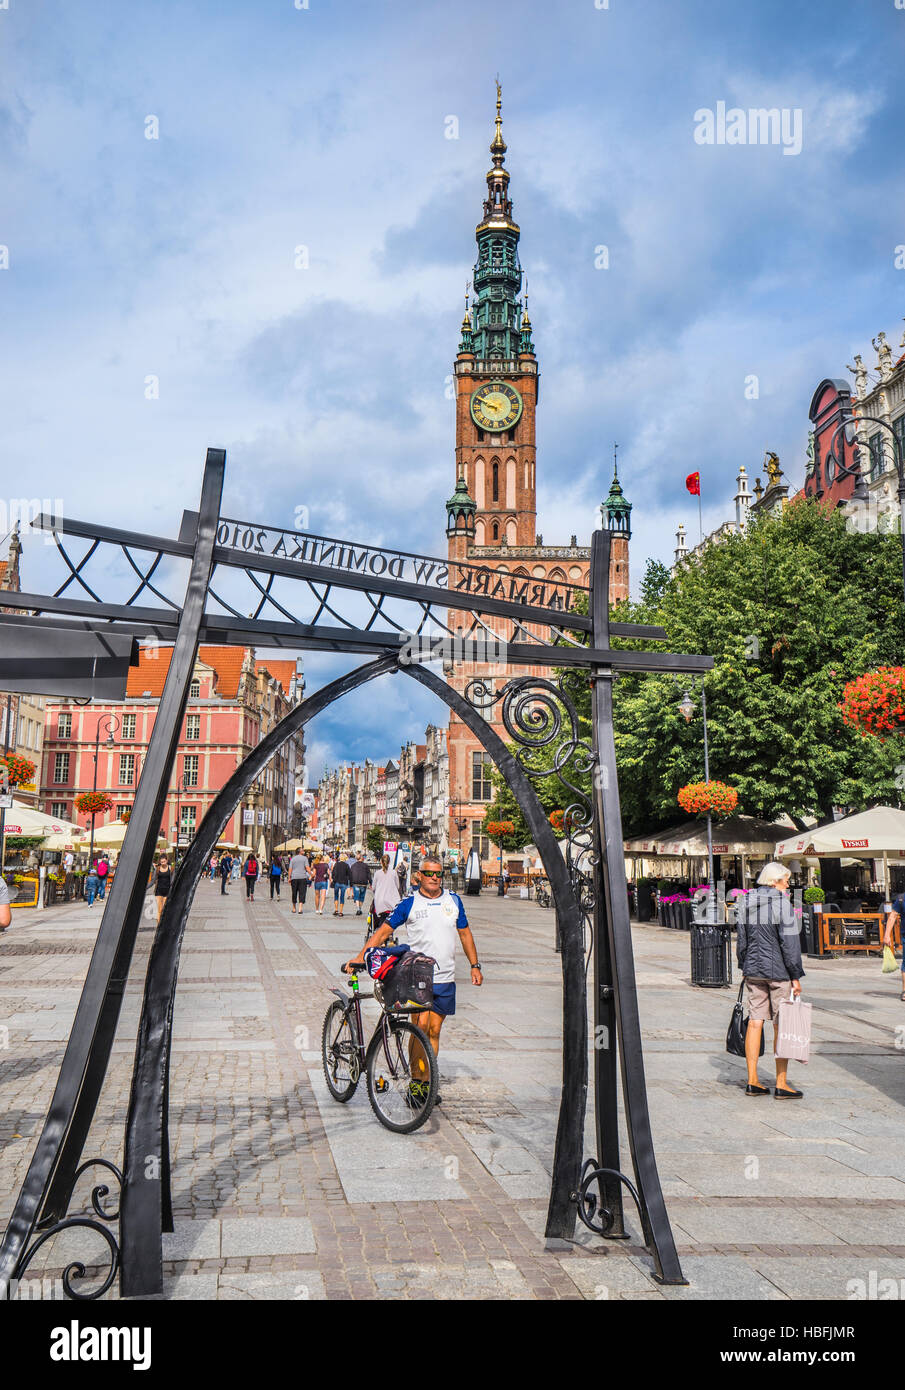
<point x="542" y="893"/>
<point x="398" y="1062"/>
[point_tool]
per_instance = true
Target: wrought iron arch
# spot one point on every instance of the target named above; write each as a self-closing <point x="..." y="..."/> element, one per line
<point x="146" y="1202"/>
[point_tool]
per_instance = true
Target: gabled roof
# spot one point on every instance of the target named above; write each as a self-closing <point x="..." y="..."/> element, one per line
<point x="282" y="671"/>
<point x="151" y="671"/>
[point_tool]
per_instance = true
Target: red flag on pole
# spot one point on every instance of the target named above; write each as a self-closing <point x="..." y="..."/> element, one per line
<point x="693" y="483"/>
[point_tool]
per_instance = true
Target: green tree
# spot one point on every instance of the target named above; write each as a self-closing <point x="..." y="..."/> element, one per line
<point x="790" y="612"/>
<point x="375" y="838"/>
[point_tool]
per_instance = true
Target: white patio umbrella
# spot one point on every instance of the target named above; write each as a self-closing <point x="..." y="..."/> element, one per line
<point x="873" y="834"/>
<point x="111" y="836"/>
<point x="66" y="839"/>
<point x="866" y="835"/>
<point x="24" y="820"/>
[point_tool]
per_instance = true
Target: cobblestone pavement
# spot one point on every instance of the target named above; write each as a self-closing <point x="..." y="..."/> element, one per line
<point x="281" y="1193"/>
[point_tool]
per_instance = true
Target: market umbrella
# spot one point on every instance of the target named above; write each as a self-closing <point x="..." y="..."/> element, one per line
<point x="24" y="820"/>
<point x="866" y="835"/>
<point x="290" y="846"/>
<point x="66" y="839"/>
<point x="873" y="834"/>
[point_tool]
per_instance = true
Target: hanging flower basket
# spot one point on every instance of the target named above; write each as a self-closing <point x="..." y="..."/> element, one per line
<point x="875" y="702"/>
<point x="498" y="828"/>
<point x="697" y="798"/>
<point x="19" y="771"/>
<point x="93" y="803"/>
<point x="556" y="819"/>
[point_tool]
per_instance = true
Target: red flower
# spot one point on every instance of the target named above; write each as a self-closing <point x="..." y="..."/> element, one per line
<point x="93" y="803"/>
<point x="875" y="702"/>
<point x="18" y="770"/>
<point x="697" y="798"/>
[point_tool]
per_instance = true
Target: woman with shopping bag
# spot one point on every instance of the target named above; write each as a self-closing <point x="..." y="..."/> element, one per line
<point x="768" y="948"/>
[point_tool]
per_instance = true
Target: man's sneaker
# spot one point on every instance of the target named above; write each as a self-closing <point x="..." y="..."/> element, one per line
<point x="417" y="1094"/>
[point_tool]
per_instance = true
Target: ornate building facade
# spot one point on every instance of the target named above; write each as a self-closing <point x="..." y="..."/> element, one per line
<point x="492" y="513"/>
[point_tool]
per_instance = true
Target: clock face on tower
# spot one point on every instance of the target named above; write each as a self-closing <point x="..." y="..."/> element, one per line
<point x="496" y="406"/>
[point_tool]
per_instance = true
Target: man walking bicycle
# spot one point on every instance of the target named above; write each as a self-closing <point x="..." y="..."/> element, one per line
<point x="435" y="923"/>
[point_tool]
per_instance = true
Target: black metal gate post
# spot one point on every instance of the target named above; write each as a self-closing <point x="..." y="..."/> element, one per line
<point x="48" y="1185"/>
<point x="612" y="920"/>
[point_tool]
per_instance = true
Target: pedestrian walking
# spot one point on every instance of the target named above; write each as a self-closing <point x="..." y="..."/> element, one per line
<point x="225" y="868"/>
<point x="321" y="877"/>
<point x="299" y="876"/>
<point x="251" y="872"/>
<point x="769" y="956"/>
<point x="360" y="876"/>
<point x="386" y="892"/>
<point x="162" y="883"/>
<point x="276" y="875"/>
<point x="212" y="865"/>
<point x="92" y="885"/>
<point x="895" y="919"/>
<point x="102" y="869"/>
<point x="341" y="877"/>
<point x="402" y="876"/>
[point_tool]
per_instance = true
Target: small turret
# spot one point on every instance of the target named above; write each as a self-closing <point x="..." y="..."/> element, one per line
<point x="460" y="511"/>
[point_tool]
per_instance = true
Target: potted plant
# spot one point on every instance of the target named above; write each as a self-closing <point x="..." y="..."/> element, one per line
<point x="810" y="926"/>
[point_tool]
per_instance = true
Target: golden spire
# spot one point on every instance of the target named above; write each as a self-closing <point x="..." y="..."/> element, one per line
<point x="498" y="144"/>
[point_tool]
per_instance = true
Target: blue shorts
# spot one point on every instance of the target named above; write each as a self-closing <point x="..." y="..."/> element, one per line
<point x="339" y="892"/>
<point x="444" y="1000"/>
<point x="358" y="891"/>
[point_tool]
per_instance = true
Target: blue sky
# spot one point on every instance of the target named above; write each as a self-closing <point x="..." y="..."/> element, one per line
<point x="326" y="127"/>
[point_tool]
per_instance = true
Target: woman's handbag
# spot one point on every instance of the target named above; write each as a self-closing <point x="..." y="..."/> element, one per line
<point x="738" y="1027"/>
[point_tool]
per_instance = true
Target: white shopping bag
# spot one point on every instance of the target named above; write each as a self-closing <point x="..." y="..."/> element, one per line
<point x="793" y="1036"/>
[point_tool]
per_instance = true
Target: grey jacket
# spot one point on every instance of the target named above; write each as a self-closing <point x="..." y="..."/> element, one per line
<point x="768" y="946"/>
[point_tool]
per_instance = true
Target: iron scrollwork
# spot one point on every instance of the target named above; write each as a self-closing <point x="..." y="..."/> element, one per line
<point x="592" y="1210"/>
<point x="76" y="1269"/>
<point x="537" y="713"/>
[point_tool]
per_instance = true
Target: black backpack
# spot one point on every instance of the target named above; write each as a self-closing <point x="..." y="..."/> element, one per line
<point x="411" y="983"/>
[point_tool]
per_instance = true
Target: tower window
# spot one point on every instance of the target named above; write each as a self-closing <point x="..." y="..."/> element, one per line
<point x="480" y="434"/>
<point x="496" y="532"/>
<point x="496" y="486"/>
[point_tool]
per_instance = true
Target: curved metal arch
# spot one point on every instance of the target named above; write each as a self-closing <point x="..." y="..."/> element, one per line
<point x="146" y="1209"/>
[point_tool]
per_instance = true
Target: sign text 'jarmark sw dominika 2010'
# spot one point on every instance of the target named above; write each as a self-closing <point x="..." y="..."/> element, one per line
<point x="375" y="562"/>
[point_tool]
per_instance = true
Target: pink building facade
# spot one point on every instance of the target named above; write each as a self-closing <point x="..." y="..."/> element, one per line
<point x="233" y="703"/>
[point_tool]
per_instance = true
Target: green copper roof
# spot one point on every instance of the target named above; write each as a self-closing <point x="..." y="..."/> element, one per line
<point x="461" y="500"/>
<point x="496" y="312"/>
<point x="615" y="509"/>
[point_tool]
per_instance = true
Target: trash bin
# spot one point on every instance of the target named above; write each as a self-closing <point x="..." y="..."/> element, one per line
<point x="710" y="955"/>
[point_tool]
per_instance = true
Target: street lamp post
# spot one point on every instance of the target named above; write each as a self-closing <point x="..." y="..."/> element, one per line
<point x="687" y="709"/>
<point x="182" y="788"/>
<point x="111" y="722"/>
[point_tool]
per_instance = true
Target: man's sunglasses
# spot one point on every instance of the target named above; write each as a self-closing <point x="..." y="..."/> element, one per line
<point x="431" y="873"/>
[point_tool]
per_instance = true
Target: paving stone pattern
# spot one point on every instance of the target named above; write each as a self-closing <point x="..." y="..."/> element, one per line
<point x="280" y="1193"/>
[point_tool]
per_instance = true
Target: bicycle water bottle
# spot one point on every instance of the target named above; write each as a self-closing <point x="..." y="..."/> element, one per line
<point x="354" y="985"/>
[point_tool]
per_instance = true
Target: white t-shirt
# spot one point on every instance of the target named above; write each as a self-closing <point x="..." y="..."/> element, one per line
<point x="432" y="925"/>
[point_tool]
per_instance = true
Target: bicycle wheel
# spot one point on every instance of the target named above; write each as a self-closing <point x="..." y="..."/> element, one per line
<point x="402" y="1075"/>
<point x="339" y="1053"/>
